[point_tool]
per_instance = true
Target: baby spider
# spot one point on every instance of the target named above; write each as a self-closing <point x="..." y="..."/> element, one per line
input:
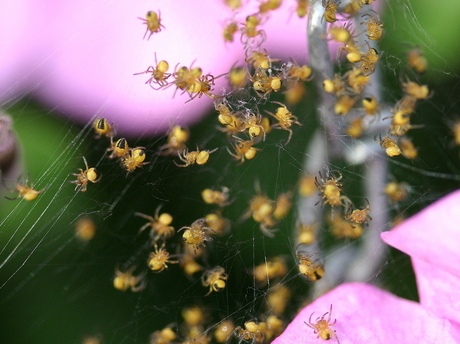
<point x="249" y="30"/>
<point x="153" y="22"/>
<point x="219" y="224"/>
<point x="416" y="90"/>
<point x="177" y="137"/>
<point x="134" y="159"/>
<point x="375" y="30"/>
<point x="202" y="86"/>
<point x="264" y="273"/>
<point x="243" y="149"/>
<point x="237" y="77"/>
<point x="164" y="336"/>
<point x="330" y="9"/>
<point x="214" y="279"/>
<point x="416" y="60"/>
<point x="261" y="208"/>
<point x="298" y="73"/>
<point x="265" y="84"/>
<point x="285" y="119"/>
<point x="223" y="331"/>
<point x="322" y="327"/>
<point x="83" y="177"/>
<point x="119" y="149"/>
<point x="371" y="106"/>
<point x="313" y="270"/>
<point x="390" y="145"/>
<point x="158" y="73"/>
<point x="126" y="280"/>
<point x="158" y="259"/>
<point x="260" y="60"/>
<point x="397" y="192"/>
<point x="102" y="127"/>
<point x="330" y="190"/>
<point x="229" y="30"/>
<point x="195" y="157"/>
<point x="252" y="332"/>
<point x="302" y="8"/>
<point x="216" y="197"/>
<point x="160" y="228"/>
<point x="196" y="234"/>
<point x="28" y="193"/>
<point x="359" y="216"/>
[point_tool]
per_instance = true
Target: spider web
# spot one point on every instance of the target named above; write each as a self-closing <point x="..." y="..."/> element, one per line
<point x="58" y="288"/>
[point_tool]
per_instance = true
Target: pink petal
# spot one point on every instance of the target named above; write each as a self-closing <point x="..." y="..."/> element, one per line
<point x="432" y="235"/>
<point x="366" y="314"/>
<point x="80" y="57"/>
<point x="438" y="290"/>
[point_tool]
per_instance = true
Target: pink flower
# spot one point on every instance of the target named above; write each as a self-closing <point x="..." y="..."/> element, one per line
<point x="366" y="314"/>
<point x="79" y="57"/>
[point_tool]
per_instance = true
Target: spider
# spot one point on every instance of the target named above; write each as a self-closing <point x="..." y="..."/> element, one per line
<point x="126" y="280"/>
<point x="312" y="270"/>
<point x="196" y="234"/>
<point x="158" y="259"/>
<point x="285" y="119"/>
<point x="260" y="60"/>
<point x="408" y="149"/>
<point x="249" y="30"/>
<point x="214" y="279"/>
<point x="165" y="336"/>
<point x="237" y="77"/>
<point x="375" y="29"/>
<point x="330" y="9"/>
<point x="83" y="177"/>
<point x="158" y="73"/>
<point x="371" y="106"/>
<point x="177" y="137"/>
<point x="264" y="84"/>
<point x="223" y="331"/>
<point x="396" y="192"/>
<point x="229" y="31"/>
<point x="330" y="190"/>
<point x="369" y="61"/>
<point x="216" y="197"/>
<point x="416" y="60"/>
<point x="202" y="86"/>
<point x="297" y="72"/>
<point x="359" y="216"/>
<point x="159" y="225"/>
<point x="219" y="224"/>
<point x="357" y="80"/>
<point x="283" y="205"/>
<point x="195" y="157"/>
<point x="119" y="149"/>
<point x="153" y="22"/>
<point x="252" y="332"/>
<point x="243" y="149"/>
<point x="102" y="127"/>
<point x="416" y="90"/>
<point x="341" y="229"/>
<point x="252" y="122"/>
<point x="261" y="209"/>
<point x="344" y="104"/>
<point x="322" y="327"/>
<point x="390" y="145"/>
<point x="28" y="193"/>
<point x="275" y="268"/>
<point x="134" y="159"/>
<point x="269" y="5"/>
